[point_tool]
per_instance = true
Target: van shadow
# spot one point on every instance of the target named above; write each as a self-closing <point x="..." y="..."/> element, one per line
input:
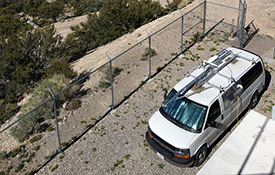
<point x="267" y="81"/>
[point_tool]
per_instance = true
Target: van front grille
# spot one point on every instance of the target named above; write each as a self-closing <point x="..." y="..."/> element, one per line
<point x="161" y="142"/>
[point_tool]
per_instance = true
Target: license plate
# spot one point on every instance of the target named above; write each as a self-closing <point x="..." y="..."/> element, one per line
<point x="160" y="155"/>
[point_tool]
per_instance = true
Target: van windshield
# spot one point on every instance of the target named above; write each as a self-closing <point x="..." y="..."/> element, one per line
<point x="186" y="113"/>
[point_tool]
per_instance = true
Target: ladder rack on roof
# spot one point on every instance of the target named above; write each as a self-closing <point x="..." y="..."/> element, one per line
<point x="211" y="69"/>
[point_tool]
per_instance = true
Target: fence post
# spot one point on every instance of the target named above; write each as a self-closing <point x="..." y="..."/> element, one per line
<point x="149" y="54"/>
<point x="244" y="18"/>
<point x="232" y="29"/>
<point x="56" y="121"/>
<point x="204" y="17"/>
<point x="111" y="80"/>
<point x="241" y="27"/>
<point x="241" y="22"/>
<point x="239" y="16"/>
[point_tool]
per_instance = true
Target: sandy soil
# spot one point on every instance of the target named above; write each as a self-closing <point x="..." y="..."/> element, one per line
<point x="63" y="27"/>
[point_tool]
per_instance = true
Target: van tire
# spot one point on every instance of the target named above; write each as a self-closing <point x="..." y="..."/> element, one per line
<point x="254" y="100"/>
<point x="200" y="156"/>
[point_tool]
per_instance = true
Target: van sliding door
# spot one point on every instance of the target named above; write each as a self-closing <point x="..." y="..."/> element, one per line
<point x="233" y="100"/>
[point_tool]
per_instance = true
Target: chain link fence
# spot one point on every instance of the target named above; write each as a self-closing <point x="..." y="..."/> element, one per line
<point x="108" y="86"/>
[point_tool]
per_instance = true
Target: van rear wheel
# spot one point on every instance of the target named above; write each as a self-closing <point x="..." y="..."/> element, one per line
<point x="200" y="156"/>
<point x="254" y="100"/>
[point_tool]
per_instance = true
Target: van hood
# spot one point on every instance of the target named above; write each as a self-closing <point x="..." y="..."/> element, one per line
<point x="168" y="131"/>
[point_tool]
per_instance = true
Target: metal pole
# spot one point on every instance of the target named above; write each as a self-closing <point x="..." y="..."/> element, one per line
<point x="238" y="20"/>
<point x="56" y="121"/>
<point x="241" y="28"/>
<point x="149" y="54"/>
<point x="232" y="29"/>
<point x="204" y="17"/>
<point x="242" y="24"/>
<point x="111" y="81"/>
<point x="181" y="39"/>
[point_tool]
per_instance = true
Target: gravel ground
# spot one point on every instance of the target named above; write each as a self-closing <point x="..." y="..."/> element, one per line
<point x="116" y="144"/>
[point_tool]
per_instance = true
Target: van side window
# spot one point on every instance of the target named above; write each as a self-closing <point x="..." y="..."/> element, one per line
<point x="214" y="111"/>
<point x="249" y="77"/>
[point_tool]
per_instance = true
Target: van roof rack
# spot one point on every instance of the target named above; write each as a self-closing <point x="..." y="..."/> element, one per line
<point x="210" y="69"/>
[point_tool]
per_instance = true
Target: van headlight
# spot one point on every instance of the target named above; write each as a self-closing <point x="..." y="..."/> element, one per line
<point x="182" y="153"/>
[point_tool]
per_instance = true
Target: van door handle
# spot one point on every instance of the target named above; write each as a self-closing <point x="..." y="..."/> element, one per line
<point x="222" y="116"/>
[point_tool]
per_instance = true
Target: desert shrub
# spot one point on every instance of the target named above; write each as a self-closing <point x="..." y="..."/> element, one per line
<point x="54" y="168"/>
<point x="42" y="21"/>
<point x="19" y="167"/>
<point x="212" y="49"/>
<point x="197" y="37"/>
<point x="3" y="155"/>
<point x="17" y="150"/>
<point x="86" y="6"/>
<point x="31" y="123"/>
<point x="14" y="152"/>
<point x="50" y="128"/>
<point x="32" y="155"/>
<point x="106" y="71"/>
<point x="145" y="54"/>
<point x="74" y="104"/>
<point x="35" y="138"/>
<point x="36" y="148"/>
<point x="64" y="144"/>
<point x="7" y="110"/>
<point x="172" y="6"/>
<point x="104" y="84"/>
<point x="60" y="67"/>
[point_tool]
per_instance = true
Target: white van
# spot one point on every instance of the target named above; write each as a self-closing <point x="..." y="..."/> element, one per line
<point x="202" y="105"/>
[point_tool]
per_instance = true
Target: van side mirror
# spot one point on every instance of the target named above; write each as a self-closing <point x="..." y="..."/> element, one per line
<point x="212" y="123"/>
<point x="164" y="93"/>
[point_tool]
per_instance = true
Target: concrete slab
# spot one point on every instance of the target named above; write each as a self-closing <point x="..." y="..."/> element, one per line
<point x="250" y="149"/>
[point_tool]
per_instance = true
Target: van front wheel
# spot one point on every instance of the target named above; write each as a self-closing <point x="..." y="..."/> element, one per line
<point x="254" y="100"/>
<point x="200" y="156"/>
